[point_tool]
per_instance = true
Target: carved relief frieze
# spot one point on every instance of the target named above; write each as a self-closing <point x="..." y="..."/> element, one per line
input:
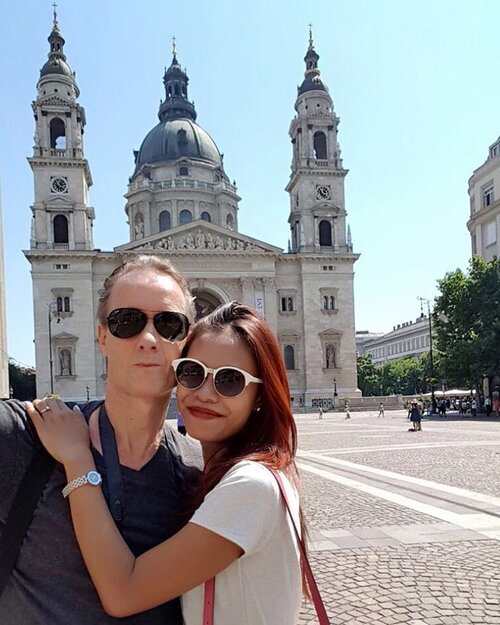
<point x="203" y="241"/>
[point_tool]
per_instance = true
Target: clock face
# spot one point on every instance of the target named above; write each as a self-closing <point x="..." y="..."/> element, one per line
<point x="323" y="193"/>
<point x="58" y="185"/>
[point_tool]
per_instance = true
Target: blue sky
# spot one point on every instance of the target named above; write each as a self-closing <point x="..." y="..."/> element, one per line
<point x="415" y="83"/>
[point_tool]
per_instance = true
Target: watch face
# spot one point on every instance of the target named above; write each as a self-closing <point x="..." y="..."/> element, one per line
<point x="94" y="478"/>
<point x="58" y="185"/>
<point x="323" y="193"/>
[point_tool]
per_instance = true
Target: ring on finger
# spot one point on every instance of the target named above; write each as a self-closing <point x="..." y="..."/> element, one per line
<point x="44" y="409"/>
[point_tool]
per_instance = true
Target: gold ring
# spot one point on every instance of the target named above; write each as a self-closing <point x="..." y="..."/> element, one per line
<point x="44" y="409"/>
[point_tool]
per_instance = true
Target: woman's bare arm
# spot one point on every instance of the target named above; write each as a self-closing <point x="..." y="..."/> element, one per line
<point x="126" y="584"/>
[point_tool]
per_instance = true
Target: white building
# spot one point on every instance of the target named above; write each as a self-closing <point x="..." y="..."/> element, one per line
<point x="181" y="204"/>
<point x="484" y="194"/>
<point x="411" y="338"/>
<point x="363" y="337"/>
<point x="4" y="358"/>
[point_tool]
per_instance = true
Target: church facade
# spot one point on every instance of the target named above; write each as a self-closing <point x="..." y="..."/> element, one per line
<point x="180" y="203"/>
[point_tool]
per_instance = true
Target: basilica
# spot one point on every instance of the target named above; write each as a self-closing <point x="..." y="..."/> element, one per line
<point x="180" y="203"/>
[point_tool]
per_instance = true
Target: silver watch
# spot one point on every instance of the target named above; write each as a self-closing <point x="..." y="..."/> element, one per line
<point x="93" y="478"/>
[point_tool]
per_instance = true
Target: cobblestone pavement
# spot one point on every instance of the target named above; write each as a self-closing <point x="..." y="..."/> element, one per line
<point x="404" y="527"/>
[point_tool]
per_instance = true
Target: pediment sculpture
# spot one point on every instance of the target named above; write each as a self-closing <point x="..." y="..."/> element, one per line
<point x="203" y="241"/>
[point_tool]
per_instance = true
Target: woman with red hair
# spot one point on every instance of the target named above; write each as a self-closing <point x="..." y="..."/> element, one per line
<point x="232" y="391"/>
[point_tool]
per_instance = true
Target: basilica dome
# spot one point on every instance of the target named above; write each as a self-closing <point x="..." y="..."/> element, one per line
<point x="177" y="135"/>
<point x="172" y="139"/>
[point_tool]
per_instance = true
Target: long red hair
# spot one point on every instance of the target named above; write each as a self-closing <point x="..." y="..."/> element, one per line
<point x="270" y="435"/>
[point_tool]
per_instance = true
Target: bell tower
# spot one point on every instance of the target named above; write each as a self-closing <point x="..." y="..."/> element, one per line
<point x="316" y="187"/>
<point x="62" y="218"/>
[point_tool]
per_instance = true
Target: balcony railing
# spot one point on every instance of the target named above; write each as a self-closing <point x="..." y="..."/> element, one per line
<point x="178" y="183"/>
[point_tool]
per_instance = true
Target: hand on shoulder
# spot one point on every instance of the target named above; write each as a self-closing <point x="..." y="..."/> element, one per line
<point x="63" y="432"/>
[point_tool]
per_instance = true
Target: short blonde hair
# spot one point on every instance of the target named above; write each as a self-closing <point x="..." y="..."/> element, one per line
<point x="152" y="263"/>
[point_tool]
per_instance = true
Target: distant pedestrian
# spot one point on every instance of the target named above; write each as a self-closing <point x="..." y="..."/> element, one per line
<point x="487" y="406"/>
<point x="347" y="412"/>
<point x="181" y="428"/>
<point x="381" y="410"/>
<point x="496" y="402"/>
<point x="320" y="414"/>
<point x="473" y="407"/>
<point x="416" y="418"/>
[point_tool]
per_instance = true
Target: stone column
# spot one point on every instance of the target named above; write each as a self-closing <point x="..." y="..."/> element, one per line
<point x="271" y="303"/>
<point x="247" y="291"/>
<point x="316" y="235"/>
<point x="479" y="239"/>
<point x="335" y="234"/>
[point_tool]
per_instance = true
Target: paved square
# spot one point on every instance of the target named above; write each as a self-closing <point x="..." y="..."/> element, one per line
<point x="404" y="527"/>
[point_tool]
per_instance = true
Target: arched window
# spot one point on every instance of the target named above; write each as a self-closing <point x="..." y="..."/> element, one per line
<point x="165" y="221"/>
<point x="177" y="90"/>
<point x="67" y="306"/>
<point x="183" y="170"/>
<point x="230" y="222"/>
<point x="289" y="358"/>
<point x="325" y="233"/>
<point x="57" y="134"/>
<point x="169" y="91"/>
<point x="206" y="216"/>
<point x="59" y="301"/>
<point x="185" y="217"/>
<point x="320" y="146"/>
<point x="60" y="229"/>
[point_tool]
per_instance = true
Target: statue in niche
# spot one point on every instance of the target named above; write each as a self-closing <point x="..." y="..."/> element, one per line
<point x="330" y="357"/>
<point x="139" y="226"/>
<point x="65" y="361"/>
<point x="190" y="242"/>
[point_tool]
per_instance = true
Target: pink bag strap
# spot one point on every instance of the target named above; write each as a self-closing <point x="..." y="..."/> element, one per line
<point x="208" y="608"/>
<point x="209" y="591"/>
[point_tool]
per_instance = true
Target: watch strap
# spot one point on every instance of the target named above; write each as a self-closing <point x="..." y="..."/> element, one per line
<point x="74" y="484"/>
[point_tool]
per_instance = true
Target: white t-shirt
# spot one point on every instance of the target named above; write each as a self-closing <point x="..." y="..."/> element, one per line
<point x="264" y="586"/>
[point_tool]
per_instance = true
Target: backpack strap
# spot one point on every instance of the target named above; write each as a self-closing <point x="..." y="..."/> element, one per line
<point x="24" y="504"/>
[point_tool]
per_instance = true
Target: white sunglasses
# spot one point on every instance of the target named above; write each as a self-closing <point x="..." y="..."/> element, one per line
<point x="228" y="381"/>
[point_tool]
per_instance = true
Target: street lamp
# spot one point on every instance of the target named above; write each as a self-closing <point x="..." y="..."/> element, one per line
<point x="422" y="300"/>
<point x="335" y="394"/>
<point x="52" y="314"/>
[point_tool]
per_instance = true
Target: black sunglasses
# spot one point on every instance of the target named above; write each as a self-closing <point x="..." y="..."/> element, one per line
<point x="227" y="381"/>
<point x="125" y="323"/>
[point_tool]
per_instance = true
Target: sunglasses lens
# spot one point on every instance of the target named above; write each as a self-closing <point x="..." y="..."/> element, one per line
<point x="190" y="374"/>
<point x="126" y="322"/>
<point x="173" y="326"/>
<point x="229" y="382"/>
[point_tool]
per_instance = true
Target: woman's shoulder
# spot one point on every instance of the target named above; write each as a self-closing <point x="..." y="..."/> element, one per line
<point x="256" y="476"/>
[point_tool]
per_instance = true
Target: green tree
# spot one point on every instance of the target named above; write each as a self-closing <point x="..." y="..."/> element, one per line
<point x="368" y="376"/>
<point x="406" y="376"/>
<point x="467" y="323"/>
<point x="22" y="381"/>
